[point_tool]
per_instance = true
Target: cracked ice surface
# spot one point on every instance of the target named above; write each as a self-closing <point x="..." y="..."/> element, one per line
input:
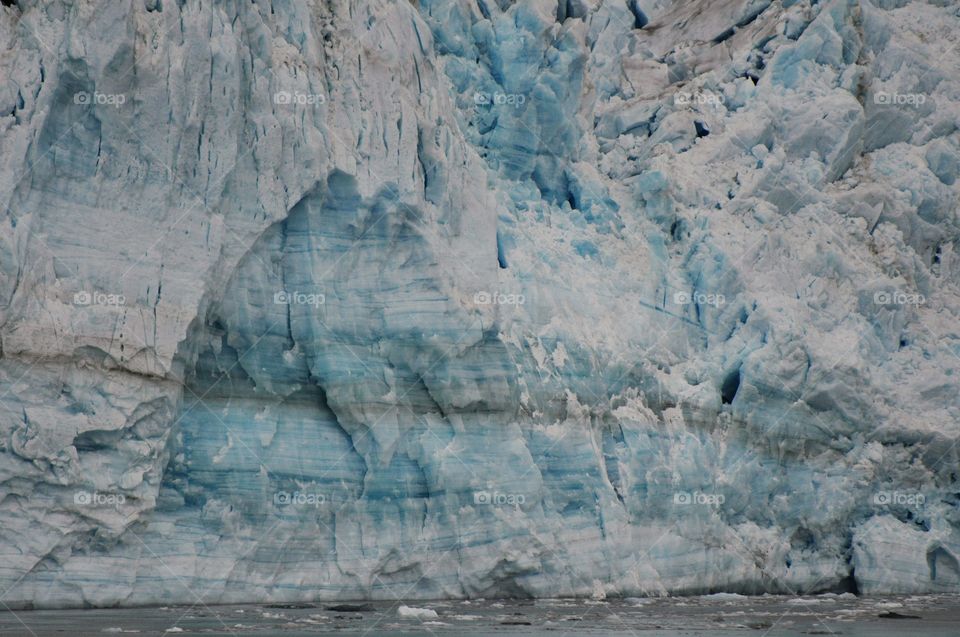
<point x="371" y="299"/>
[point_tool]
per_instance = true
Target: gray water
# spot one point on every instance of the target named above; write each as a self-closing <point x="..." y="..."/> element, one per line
<point x="721" y="615"/>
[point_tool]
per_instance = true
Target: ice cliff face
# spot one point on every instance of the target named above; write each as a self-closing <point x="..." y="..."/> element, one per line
<point x="372" y="299"/>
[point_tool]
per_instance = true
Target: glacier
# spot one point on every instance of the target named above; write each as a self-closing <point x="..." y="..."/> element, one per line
<point x="371" y="299"/>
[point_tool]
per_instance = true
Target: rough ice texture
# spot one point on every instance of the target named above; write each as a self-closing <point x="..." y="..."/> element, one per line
<point x="389" y="258"/>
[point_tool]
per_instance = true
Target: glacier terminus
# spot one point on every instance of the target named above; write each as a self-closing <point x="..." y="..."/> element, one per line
<point x="328" y="300"/>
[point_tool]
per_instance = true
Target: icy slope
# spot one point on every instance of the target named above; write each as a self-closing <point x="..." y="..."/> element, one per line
<point x="306" y="299"/>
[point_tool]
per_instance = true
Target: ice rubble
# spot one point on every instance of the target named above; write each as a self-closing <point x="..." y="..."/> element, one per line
<point x="472" y="298"/>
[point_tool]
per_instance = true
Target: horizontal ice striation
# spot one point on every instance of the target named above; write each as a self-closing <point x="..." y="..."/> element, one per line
<point x="371" y="299"/>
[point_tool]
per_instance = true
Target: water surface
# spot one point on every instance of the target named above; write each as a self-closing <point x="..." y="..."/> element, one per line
<point x="720" y="615"/>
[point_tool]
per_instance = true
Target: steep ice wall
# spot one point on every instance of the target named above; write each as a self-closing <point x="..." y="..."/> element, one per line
<point x="306" y="299"/>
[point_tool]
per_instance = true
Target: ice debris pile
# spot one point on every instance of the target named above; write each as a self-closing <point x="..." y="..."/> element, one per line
<point x="374" y="299"/>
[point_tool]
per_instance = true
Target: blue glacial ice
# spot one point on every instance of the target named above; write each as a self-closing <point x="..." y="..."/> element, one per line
<point x="371" y="299"/>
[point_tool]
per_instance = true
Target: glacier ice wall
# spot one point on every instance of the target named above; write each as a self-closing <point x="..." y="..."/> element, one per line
<point x="374" y="299"/>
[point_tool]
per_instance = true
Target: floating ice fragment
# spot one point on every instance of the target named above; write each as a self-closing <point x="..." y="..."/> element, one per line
<point x="416" y="613"/>
<point x="724" y="597"/>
